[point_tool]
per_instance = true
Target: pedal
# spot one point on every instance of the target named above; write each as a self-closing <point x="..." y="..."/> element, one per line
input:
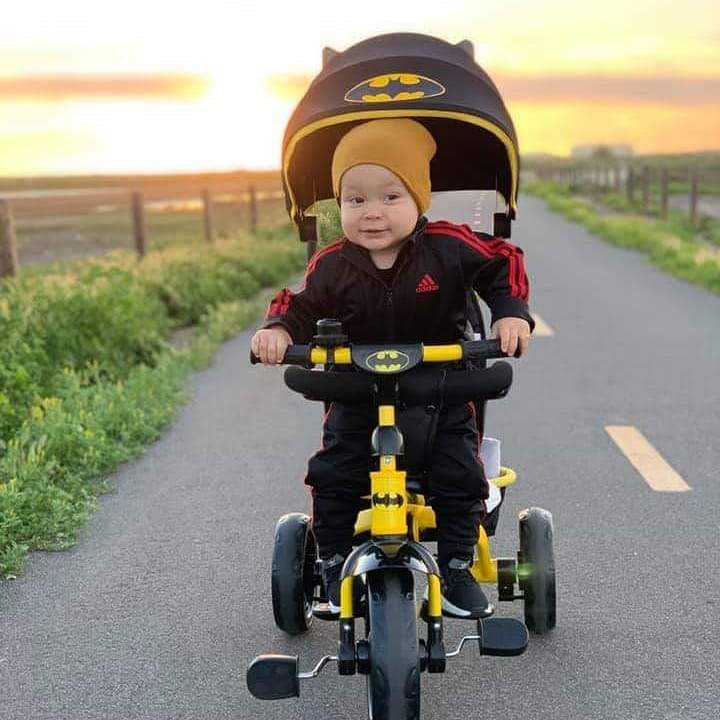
<point x="273" y="677"/>
<point x="502" y="636"/>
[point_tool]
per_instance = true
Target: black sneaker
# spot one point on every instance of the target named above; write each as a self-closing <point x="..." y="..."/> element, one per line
<point x="462" y="597"/>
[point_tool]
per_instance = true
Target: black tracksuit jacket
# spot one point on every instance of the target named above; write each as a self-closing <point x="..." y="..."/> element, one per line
<point x="424" y="302"/>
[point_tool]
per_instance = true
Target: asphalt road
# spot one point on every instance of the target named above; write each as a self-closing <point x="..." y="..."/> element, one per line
<point x="161" y="606"/>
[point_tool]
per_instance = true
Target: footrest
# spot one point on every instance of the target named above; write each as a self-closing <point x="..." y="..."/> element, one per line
<point x="321" y="611"/>
<point x="502" y="636"/>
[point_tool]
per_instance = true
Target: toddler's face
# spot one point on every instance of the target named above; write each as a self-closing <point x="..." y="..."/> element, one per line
<point x="376" y="209"/>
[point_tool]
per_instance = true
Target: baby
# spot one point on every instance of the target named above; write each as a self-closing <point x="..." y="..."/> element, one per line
<point x="394" y="277"/>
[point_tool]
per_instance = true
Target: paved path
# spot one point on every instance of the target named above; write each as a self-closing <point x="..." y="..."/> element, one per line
<point x="158" y="610"/>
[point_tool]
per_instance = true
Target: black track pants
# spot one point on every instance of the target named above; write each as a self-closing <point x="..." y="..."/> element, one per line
<point x="441" y="449"/>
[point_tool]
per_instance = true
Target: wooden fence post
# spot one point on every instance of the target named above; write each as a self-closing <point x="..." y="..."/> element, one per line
<point x="664" y="193"/>
<point x="693" y="196"/>
<point x="646" y="188"/>
<point x="631" y="184"/>
<point x="253" y="209"/>
<point x="138" y="214"/>
<point x="207" y="211"/>
<point x="9" y="265"/>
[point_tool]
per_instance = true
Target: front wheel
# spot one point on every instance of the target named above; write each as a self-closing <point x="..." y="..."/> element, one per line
<point x="536" y="569"/>
<point x="393" y="683"/>
<point x="293" y="573"/>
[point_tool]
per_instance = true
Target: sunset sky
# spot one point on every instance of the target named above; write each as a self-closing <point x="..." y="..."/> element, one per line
<point x="90" y="87"/>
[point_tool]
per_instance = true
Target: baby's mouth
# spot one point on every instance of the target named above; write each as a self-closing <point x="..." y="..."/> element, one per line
<point x="374" y="231"/>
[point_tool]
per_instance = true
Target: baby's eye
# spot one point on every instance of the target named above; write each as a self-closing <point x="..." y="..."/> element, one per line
<point x="355" y="201"/>
<point x="392" y="196"/>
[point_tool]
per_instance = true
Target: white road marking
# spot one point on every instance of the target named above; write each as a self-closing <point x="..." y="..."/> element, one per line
<point x="653" y="468"/>
<point x="541" y="327"/>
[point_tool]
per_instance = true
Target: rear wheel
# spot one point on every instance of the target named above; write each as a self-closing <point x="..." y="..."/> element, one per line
<point x="393" y="683"/>
<point x="293" y="573"/>
<point x="536" y="571"/>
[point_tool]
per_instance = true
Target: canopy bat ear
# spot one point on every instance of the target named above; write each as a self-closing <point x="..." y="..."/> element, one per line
<point x="467" y="46"/>
<point x="328" y="54"/>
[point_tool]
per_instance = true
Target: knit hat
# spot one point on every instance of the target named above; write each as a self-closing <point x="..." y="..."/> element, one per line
<point x="401" y="145"/>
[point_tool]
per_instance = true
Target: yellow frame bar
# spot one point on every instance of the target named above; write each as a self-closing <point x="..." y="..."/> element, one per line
<point x="346" y="598"/>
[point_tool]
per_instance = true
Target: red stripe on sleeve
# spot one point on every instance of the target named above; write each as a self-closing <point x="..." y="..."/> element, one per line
<point x="337" y="245"/>
<point x="489" y="248"/>
<point x="280" y="304"/>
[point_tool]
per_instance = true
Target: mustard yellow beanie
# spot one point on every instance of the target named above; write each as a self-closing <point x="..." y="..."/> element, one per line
<point x="401" y="145"/>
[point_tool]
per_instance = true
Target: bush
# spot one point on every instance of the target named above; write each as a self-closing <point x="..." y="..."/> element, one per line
<point x="88" y="378"/>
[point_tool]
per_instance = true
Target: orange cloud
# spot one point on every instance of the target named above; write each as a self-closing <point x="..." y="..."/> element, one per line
<point x="610" y="88"/>
<point x="82" y="87"/>
<point x="639" y="89"/>
<point x="289" y="87"/>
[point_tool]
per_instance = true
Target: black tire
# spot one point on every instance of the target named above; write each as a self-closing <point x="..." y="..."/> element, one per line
<point x="393" y="683"/>
<point x="293" y="573"/>
<point x="536" y="572"/>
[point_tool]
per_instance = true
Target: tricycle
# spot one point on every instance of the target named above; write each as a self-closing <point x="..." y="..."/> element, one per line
<point x="440" y="85"/>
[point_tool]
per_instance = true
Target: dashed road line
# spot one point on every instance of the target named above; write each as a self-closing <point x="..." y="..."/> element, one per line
<point x="653" y="468"/>
<point x="541" y="327"/>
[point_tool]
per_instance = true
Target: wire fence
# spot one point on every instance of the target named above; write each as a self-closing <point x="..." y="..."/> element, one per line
<point x="654" y="189"/>
<point x="41" y="227"/>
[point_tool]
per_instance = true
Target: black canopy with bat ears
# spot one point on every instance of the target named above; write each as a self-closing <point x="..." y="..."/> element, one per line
<point x="403" y="75"/>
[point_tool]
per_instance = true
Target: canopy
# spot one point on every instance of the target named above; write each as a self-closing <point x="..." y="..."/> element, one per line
<point x="403" y="75"/>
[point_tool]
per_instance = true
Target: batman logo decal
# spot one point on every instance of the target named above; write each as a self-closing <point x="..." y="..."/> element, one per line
<point x="393" y="87"/>
<point x="387" y="361"/>
<point x="387" y="500"/>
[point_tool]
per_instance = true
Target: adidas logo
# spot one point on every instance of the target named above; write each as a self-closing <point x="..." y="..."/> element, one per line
<point x="427" y="284"/>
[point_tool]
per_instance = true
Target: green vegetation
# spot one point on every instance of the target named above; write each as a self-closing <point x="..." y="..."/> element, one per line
<point x="88" y="375"/>
<point x="670" y="244"/>
<point x="327" y="213"/>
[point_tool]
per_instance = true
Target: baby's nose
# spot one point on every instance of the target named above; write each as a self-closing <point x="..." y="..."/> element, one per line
<point x="373" y="210"/>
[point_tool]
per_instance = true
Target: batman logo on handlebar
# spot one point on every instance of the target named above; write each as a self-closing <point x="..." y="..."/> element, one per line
<point x="387" y="361"/>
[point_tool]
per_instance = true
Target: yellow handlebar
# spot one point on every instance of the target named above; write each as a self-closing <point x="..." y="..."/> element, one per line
<point x="431" y="353"/>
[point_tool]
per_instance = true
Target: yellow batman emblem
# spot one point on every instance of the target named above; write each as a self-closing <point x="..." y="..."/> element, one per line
<point x="393" y="87"/>
<point x="387" y="361"/>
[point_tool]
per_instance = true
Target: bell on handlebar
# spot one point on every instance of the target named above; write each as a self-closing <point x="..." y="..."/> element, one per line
<point x="329" y="333"/>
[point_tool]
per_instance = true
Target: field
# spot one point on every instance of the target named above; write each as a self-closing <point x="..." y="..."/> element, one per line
<point x="65" y="219"/>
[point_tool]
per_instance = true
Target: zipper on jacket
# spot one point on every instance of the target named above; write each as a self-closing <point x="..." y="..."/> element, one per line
<point x="390" y="316"/>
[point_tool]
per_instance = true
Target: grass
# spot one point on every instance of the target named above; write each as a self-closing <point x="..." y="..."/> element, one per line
<point x="88" y="376"/>
<point x="672" y="245"/>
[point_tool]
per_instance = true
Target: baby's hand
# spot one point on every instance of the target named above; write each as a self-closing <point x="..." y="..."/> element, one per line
<point x="512" y="332"/>
<point x="270" y="344"/>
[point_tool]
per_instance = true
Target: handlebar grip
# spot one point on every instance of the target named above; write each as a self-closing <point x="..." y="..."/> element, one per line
<point x="294" y="355"/>
<point x="297" y="355"/>
<point x="485" y="350"/>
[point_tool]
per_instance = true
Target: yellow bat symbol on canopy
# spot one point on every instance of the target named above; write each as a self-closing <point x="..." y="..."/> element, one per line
<point x="393" y="87"/>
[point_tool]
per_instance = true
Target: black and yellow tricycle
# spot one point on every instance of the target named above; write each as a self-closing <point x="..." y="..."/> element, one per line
<point x="440" y="85"/>
<point x="377" y="580"/>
